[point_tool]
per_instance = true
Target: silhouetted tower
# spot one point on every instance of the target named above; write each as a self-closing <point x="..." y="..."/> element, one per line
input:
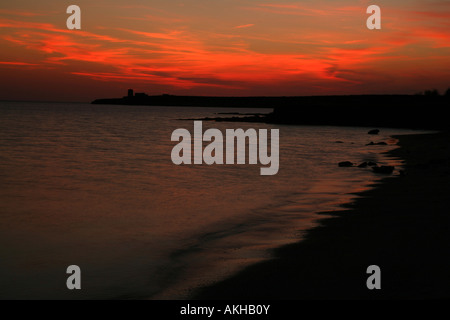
<point x="130" y="93"/>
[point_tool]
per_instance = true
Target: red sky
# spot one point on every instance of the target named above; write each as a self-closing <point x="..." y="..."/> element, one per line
<point x="223" y="47"/>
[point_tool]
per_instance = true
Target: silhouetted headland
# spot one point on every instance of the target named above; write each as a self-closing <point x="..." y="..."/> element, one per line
<point x="395" y="111"/>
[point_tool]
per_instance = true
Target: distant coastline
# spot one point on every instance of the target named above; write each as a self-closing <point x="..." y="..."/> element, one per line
<point x="395" y="111"/>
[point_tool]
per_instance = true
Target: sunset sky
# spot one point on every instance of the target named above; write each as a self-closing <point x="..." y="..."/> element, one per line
<point x="221" y="47"/>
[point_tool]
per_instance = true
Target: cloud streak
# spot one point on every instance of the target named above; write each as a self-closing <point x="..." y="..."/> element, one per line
<point x="244" y="26"/>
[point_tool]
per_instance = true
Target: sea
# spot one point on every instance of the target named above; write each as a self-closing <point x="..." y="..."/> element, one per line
<point x="95" y="186"/>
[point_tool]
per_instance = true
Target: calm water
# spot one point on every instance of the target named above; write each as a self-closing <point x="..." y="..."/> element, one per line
<point x="95" y="186"/>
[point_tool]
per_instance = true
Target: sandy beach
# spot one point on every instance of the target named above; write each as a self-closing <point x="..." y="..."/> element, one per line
<point x="401" y="225"/>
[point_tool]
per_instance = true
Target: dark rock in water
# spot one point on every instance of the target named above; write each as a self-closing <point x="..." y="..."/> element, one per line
<point x="345" y="164"/>
<point x="374" y="131"/>
<point x="338" y="142"/>
<point x="376" y="144"/>
<point x="384" y="169"/>
<point x="371" y="163"/>
<point x="363" y="165"/>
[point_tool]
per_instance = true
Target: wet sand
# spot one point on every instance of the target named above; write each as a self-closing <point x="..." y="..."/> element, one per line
<point x="401" y="225"/>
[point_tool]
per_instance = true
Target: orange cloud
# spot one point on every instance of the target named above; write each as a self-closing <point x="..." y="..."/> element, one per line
<point x="16" y="63"/>
<point x="313" y="10"/>
<point x="244" y="26"/>
<point x="19" y="13"/>
<point x="172" y="35"/>
<point x="283" y="52"/>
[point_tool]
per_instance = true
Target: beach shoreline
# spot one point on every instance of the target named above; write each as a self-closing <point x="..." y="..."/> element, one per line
<point x="399" y="225"/>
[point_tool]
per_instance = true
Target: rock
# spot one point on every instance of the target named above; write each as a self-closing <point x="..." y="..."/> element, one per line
<point x="374" y="131"/>
<point x="376" y="144"/>
<point x="345" y="164"/>
<point x="363" y="165"/>
<point x="383" y="169"/>
<point x="371" y="164"/>
<point x="339" y="142"/>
